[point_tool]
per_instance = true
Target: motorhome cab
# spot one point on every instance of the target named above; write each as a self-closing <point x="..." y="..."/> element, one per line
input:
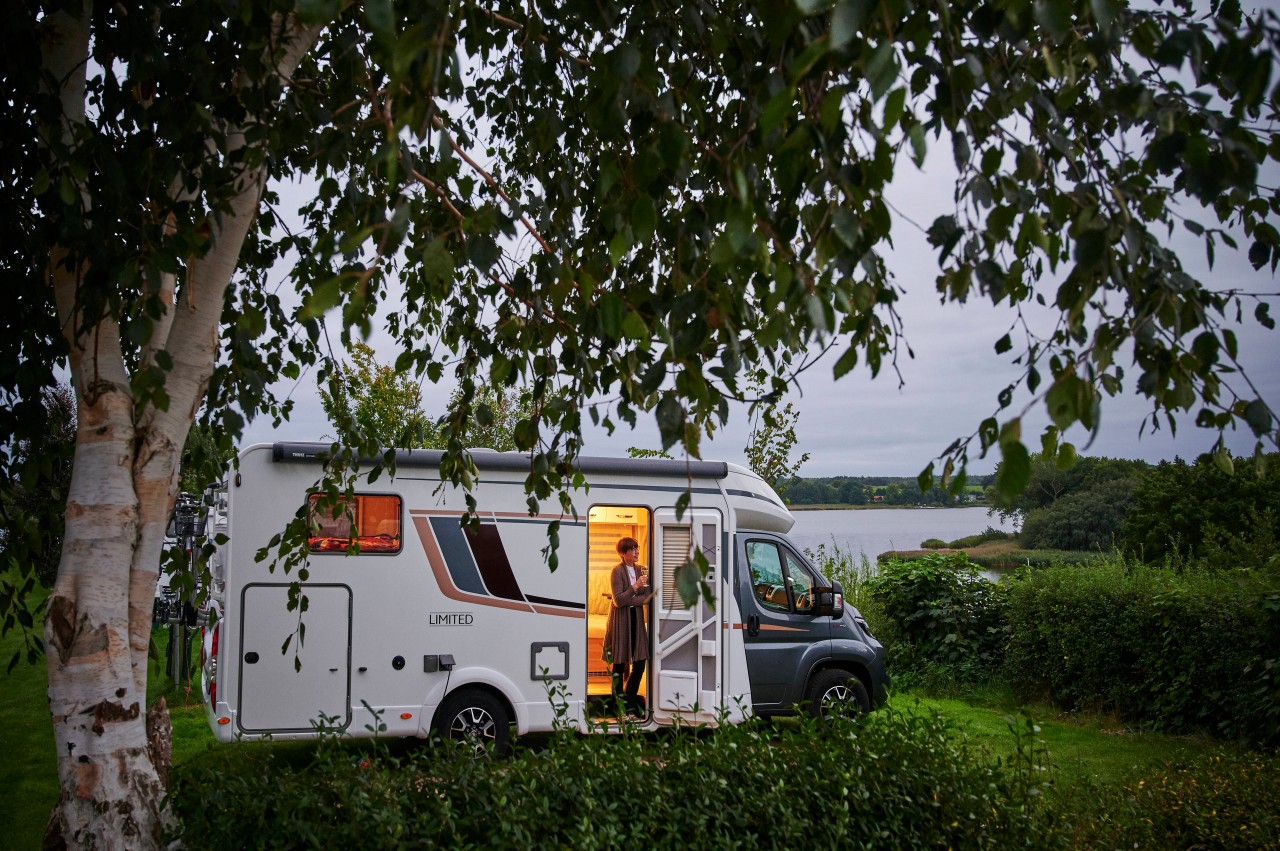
<point x="433" y="626"/>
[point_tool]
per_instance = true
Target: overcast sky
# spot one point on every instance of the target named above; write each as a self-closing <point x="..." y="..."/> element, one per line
<point x="861" y="427"/>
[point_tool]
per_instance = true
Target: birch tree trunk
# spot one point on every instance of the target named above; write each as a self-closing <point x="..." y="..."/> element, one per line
<point x="123" y="486"/>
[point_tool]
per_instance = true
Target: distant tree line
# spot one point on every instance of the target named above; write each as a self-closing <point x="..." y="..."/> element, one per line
<point x="864" y="490"/>
<point x="1209" y="512"/>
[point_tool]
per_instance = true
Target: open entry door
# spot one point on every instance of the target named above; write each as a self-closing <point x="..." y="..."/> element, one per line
<point x="686" y="677"/>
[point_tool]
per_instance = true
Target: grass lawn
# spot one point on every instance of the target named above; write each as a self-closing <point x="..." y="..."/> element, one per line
<point x="29" y="775"/>
<point x="1080" y="749"/>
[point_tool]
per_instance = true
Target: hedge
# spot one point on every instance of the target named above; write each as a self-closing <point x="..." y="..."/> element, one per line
<point x="1177" y="652"/>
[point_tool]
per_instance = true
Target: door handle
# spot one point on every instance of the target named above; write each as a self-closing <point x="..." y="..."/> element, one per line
<point x="753" y="625"/>
<point x="251" y="658"/>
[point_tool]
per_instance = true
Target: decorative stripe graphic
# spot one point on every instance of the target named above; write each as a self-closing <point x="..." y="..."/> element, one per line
<point x="765" y="627"/>
<point x="473" y="567"/>
<point x="495" y="569"/>
<point x="443" y="579"/>
<point x="458" y="555"/>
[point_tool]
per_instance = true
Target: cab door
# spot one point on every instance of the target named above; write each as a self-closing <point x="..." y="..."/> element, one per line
<point x="686" y="679"/>
<point x="781" y="633"/>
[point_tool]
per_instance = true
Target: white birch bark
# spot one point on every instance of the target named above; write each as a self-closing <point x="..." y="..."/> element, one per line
<point x="122" y="489"/>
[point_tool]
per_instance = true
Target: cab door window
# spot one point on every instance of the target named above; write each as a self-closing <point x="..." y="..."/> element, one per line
<point x="799" y="583"/>
<point x="779" y="580"/>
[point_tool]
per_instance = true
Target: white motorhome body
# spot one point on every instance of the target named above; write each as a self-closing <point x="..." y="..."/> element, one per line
<point x="432" y="625"/>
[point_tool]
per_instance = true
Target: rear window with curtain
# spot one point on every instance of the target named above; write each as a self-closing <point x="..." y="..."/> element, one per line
<point x="370" y="520"/>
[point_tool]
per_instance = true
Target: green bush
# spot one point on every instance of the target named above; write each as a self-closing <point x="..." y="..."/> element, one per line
<point x="1081" y="520"/>
<point x="894" y="781"/>
<point x="1206" y="515"/>
<point x="985" y="536"/>
<point x="1179" y="652"/>
<point x="946" y="613"/>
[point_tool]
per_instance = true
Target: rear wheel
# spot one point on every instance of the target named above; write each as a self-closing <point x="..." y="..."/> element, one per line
<point x="836" y="693"/>
<point x="477" y="719"/>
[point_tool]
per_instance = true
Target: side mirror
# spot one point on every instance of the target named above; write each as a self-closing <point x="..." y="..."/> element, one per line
<point x="829" y="601"/>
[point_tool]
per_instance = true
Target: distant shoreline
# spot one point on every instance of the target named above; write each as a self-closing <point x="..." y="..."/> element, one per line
<point x="881" y="507"/>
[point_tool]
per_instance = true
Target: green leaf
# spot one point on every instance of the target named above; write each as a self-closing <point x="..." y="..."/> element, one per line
<point x="625" y="61"/>
<point x="1064" y="400"/>
<point x="924" y="481"/>
<point x="1049" y="441"/>
<point x="1066" y="455"/>
<point x="1055" y="17"/>
<point x="619" y="245"/>
<point x="777" y="109"/>
<point x="919" y="146"/>
<point x="317" y="11"/>
<point x="894" y="105"/>
<point x="882" y="68"/>
<point x="1004" y="344"/>
<point x="1014" y="471"/>
<point x="633" y="326"/>
<point x="846" y="362"/>
<point x="845" y="21"/>
<point x="381" y="18"/>
<point x="1105" y="12"/>
<point x="322" y="298"/>
<point x="611" y="311"/>
<point x="670" y="415"/>
<point x="1258" y="416"/>
<point x="944" y="233"/>
<point x="437" y="263"/>
<point x="688" y="578"/>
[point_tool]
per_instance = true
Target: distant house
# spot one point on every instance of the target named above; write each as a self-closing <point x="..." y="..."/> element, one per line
<point x="878" y="498"/>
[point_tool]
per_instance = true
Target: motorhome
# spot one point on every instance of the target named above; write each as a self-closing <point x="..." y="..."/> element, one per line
<point x="416" y="622"/>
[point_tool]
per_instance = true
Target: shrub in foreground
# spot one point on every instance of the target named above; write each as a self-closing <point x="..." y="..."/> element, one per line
<point x="893" y="781"/>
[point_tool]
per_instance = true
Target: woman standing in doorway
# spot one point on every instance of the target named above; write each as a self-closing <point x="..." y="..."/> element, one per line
<point x="626" y="639"/>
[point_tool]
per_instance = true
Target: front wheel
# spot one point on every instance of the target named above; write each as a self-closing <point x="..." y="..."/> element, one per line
<point x="477" y="719"/>
<point x="836" y="693"/>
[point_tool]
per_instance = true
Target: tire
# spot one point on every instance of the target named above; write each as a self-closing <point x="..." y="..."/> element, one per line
<point x="477" y="719"/>
<point x="837" y="693"/>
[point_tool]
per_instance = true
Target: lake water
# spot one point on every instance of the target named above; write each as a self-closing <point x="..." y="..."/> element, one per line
<point x="877" y="530"/>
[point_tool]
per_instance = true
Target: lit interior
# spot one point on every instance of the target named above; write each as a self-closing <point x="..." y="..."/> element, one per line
<point x="606" y="525"/>
<point x="372" y="521"/>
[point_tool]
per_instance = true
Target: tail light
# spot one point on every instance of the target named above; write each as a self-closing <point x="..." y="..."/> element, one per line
<point x="211" y="664"/>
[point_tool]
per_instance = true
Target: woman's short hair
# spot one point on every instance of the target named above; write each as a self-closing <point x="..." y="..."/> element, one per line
<point x="627" y="544"/>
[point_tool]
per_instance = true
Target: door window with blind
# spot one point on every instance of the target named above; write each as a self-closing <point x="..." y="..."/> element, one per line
<point x="370" y="521"/>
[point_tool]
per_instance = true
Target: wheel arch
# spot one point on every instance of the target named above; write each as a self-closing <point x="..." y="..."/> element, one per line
<point x="476" y="686"/>
<point x="849" y="666"/>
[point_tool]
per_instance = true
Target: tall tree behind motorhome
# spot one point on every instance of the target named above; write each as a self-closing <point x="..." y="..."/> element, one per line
<point x="772" y="440"/>
<point x="384" y="407"/>
<point x="492" y="418"/>
<point x="698" y="190"/>
<point x="371" y="399"/>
